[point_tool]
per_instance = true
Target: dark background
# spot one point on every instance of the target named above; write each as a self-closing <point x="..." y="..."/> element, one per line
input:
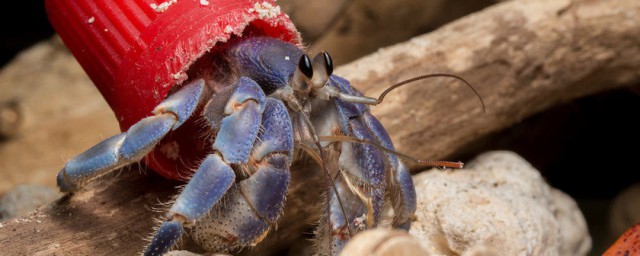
<point x="23" y="24"/>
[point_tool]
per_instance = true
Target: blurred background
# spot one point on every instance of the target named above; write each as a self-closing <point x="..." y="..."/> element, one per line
<point x="49" y="110"/>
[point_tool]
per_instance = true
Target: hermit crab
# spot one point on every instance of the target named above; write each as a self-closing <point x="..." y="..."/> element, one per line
<point x="221" y="94"/>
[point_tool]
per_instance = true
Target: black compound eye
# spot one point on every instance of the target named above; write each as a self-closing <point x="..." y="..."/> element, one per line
<point x="328" y="63"/>
<point x="304" y="65"/>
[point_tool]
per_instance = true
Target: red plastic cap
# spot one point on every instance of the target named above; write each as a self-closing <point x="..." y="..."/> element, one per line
<point x="135" y="51"/>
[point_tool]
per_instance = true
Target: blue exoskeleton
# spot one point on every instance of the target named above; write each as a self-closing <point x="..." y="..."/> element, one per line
<point x="270" y="100"/>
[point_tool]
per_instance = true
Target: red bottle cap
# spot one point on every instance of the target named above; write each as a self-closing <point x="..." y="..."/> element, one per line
<point x="135" y="51"/>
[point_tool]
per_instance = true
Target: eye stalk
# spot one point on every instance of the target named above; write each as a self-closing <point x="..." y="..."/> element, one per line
<point x="303" y="74"/>
<point x="323" y="65"/>
<point x="316" y="72"/>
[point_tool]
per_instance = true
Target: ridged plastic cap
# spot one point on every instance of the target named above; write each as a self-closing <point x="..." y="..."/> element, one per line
<point x="135" y="51"/>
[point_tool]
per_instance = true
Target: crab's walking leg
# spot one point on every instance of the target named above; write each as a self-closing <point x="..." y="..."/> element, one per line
<point x="135" y="143"/>
<point x="255" y="203"/>
<point x="240" y="108"/>
<point x="366" y="174"/>
<point x="403" y="193"/>
<point x="210" y="182"/>
<point x="363" y="179"/>
<point x="360" y="186"/>
<point x="400" y="183"/>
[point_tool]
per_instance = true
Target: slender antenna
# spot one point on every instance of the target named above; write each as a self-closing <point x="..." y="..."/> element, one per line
<point x="430" y="163"/>
<point x="422" y="77"/>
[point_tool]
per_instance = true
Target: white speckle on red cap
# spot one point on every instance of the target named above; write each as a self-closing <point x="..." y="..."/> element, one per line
<point x="159" y="8"/>
<point x="228" y="29"/>
<point x="265" y="10"/>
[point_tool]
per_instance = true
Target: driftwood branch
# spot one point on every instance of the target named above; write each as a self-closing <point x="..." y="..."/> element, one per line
<point x="116" y="215"/>
<point x="105" y="219"/>
<point x="522" y="57"/>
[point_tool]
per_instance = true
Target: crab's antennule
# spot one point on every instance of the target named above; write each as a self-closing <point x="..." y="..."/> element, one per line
<point x="316" y="141"/>
<point x="422" y="77"/>
<point x="429" y="163"/>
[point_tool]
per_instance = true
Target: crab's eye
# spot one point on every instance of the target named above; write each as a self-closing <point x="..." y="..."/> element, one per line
<point x="302" y="75"/>
<point x="304" y="65"/>
<point x="328" y="62"/>
<point x="323" y="65"/>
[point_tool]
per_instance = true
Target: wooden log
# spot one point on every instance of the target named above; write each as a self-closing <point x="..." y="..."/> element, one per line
<point x="108" y="218"/>
<point x="116" y="216"/>
<point x="521" y="56"/>
<point x="364" y="26"/>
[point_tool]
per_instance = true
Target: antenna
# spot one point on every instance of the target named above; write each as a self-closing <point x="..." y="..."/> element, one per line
<point x="333" y="92"/>
<point x="422" y="77"/>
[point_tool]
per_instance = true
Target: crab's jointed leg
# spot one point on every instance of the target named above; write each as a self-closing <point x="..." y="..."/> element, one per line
<point x="246" y="177"/>
<point x="210" y="182"/>
<point x="255" y="203"/>
<point x="131" y="146"/>
<point x="366" y="173"/>
<point x="361" y="187"/>
<point x="403" y="195"/>
<point x="400" y="183"/>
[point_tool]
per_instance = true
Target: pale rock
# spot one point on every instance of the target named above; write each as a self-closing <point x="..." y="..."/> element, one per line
<point x="498" y="205"/>
<point x="383" y="242"/>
